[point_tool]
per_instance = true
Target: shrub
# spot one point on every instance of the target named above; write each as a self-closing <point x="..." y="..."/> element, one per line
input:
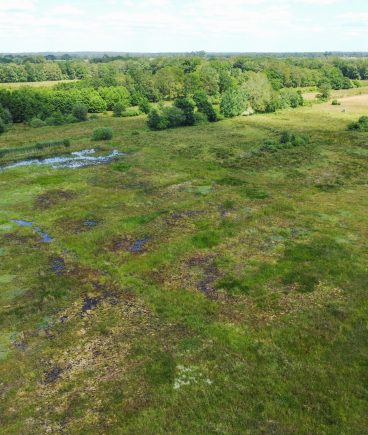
<point x="361" y="125"/>
<point x="37" y="123"/>
<point x="130" y="112"/>
<point x="56" y="119"/>
<point x="2" y="126"/>
<point x="175" y="116"/>
<point x="336" y="103"/>
<point x="205" y="106"/>
<point x="102" y="133"/>
<point x="324" y="91"/>
<point x="144" y="105"/>
<point x="5" y="115"/>
<point x="200" y="118"/>
<point x="80" y="111"/>
<point x="233" y="103"/>
<point x="186" y="105"/>
<point x="286" y="136"/>
<point x="71" y="119"/>
<point x="118" y="109"/>
<point x="157" y="120"/>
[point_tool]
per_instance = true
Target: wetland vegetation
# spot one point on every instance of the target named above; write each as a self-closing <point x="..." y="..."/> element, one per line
<point x="207" y="278"/>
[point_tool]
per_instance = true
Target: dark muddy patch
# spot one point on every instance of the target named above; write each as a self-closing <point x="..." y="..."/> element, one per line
<point x="137" y="246"/>
<point x="53" y="375"/>
<point x="90" y="304"/>
<point x="52" y="197"/>
<point x="78" y="226"/>
<point x="210" y="274"/>
<point x="57" y="265"/>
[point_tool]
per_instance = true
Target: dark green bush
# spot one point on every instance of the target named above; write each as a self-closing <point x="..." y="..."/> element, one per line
<point x="200" y="118"/>
<point x="80" y="111"/>
<point x="205" y="106"/>
<point x="118" y="109"/>
<point x="2" y="126"/>
<point x="186" y="105"/>
<point x="361" y="125"/>
<point x="102" y="133"/>
<point x="144" y="105"/>
<point x="157" y="120"/>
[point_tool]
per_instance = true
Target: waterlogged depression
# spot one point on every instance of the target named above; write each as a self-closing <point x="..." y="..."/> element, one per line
<point x="77" y="159"/>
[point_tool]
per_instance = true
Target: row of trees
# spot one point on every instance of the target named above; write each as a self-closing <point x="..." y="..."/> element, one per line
<point x="27" y="103"/>
<point x="169" y="77"/>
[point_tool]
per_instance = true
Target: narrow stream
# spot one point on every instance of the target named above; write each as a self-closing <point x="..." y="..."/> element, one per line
<point x="77" y="159"/>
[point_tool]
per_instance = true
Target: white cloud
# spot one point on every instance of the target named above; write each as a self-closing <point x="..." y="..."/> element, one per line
<point x="17" y="5"/>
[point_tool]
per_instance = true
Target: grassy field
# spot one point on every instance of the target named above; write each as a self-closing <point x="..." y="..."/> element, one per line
<point x="195" y="285"/>
<point x="45" y="84"/>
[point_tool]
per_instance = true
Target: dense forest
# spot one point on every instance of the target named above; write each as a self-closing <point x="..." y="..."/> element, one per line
<point x="203" y="87"/>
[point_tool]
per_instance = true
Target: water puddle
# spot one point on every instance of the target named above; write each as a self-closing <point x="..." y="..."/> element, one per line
<point x="138" y="245"/>
<point x="46" y="238"/>
<point x="77" y="159"/>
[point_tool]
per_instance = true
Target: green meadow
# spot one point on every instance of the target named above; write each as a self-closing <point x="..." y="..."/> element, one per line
<point x="199" y="283"/>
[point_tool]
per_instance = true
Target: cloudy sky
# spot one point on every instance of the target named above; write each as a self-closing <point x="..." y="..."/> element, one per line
<point x="183" y="25"/>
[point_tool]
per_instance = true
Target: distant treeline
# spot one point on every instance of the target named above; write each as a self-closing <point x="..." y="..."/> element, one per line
<point x="186" y="70"/>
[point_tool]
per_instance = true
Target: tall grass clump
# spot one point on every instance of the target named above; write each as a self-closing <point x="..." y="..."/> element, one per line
<point x="102" y="133"/>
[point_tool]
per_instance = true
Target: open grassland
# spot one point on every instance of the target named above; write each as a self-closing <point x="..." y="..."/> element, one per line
<point x="44" y="84"/>
<point x="194" y="285"/>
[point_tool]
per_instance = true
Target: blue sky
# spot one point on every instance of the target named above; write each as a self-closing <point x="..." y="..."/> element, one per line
<point x="183" y="25"/>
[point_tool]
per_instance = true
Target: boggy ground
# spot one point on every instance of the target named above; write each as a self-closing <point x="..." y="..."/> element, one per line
<point x="191" y="286"/>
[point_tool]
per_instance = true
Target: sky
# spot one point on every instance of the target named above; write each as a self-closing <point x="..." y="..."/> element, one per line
<point x="183" y="25"/>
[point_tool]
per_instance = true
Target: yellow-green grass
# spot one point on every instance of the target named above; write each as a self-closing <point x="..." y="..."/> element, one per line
<point x="244" y="312"/>
<point x="43" y="84"/>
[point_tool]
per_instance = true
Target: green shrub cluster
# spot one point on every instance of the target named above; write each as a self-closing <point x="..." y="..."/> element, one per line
<point x="287" y="140"/>
<point x="102" y="133"/>
<point x="5" y="119"/>
<point x="182" y="113"/>
<point x="361" y="125"/>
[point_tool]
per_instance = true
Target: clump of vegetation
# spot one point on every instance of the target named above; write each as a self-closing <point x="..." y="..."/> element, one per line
<point x="102" y="133"/>
<point x="233" y="103"/>
<point x="39" y="146"/>
<point x="144" y="105"/>
<point x="287" y="140"/>
<point x="37" y="123"/>
<point x="360" y="125"/>
<point x="324" y="90"/>
<point x="5" y="119"/>
<point x="130" y="112"/>
<point x="118" y="109"/>
<point x="204" y="106"/>
<point x="80" y="112"/>
<point x="336" y="103"/>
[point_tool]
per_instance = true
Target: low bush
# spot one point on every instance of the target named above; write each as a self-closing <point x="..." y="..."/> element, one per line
<point x="80" y="112"/>
<point x="118" y="109"/>
<point x="102" y="133"/>
<point x="336" y="103"/>
<point x="144" y="105"/>
<point x="37" y="123"/>
<point x="286" y="141"/>
<point x="361" y="125"/>
<point x="2" y="126"/>
<point x="130" y="112"/>
<point x="200" y="118"/>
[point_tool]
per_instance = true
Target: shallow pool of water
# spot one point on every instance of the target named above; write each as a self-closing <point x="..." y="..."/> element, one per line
<point x="46" y="238"/>
<point x="77" y="159"/>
